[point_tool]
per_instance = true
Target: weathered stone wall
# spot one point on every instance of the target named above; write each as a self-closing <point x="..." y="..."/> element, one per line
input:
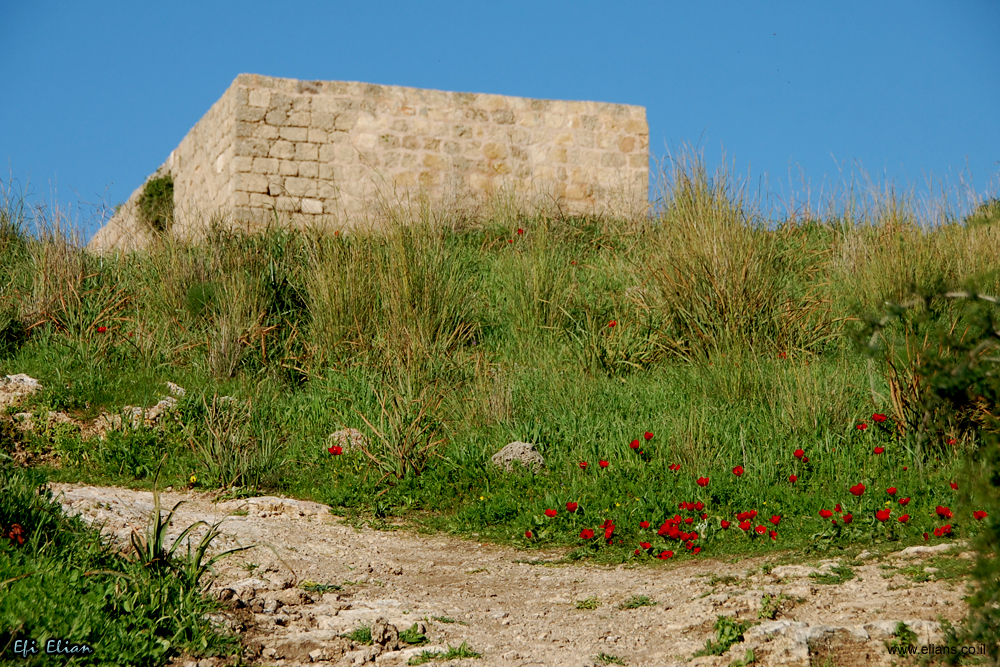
<point x="321" y="152"/>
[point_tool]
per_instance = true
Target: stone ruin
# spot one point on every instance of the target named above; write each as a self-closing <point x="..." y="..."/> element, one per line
<point x="324" y="154"/>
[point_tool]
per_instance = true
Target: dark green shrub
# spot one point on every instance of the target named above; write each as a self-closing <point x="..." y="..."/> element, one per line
<point x="986" y="213"/>
<point x="156" y="203"/>
<point x="13" y="335"/>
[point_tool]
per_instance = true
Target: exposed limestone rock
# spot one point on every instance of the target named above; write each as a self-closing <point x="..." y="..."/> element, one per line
<point x="523" y="453"/>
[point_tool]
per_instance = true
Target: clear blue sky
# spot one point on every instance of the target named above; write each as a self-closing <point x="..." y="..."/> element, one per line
<point x="95" y="95"/>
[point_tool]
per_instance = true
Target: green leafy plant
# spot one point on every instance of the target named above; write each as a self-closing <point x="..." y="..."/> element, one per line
<point x="770" y="605"/>
<point x="156" y="203"/>
<point x="903" y="638"/>
<point x="361" y="634"/>
<point x="728" y="631"/>
<point x="589" y="603"/>
<point x="609" y="659"/>
<point x="413" y="636"/>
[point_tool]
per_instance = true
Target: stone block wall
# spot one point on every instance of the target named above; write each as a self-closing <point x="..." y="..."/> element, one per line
<point x="322" y="152"/>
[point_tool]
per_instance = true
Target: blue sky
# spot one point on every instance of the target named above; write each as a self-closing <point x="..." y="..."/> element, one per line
<point x="95" y="95"/>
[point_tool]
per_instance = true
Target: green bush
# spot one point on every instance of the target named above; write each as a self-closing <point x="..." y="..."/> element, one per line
<point x="156" y="203"/>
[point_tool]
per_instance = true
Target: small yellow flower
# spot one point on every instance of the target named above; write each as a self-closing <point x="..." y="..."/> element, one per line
<point x="888" y="503"/>
<point x="481" y="498"/>
<point x="193" y="479"/>
<point x="618" y="504"/>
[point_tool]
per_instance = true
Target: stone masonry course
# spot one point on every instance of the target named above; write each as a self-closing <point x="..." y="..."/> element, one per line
<point x="321" y="153"/>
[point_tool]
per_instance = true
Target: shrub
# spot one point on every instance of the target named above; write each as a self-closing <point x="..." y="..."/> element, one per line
<point x="156" y="203"/>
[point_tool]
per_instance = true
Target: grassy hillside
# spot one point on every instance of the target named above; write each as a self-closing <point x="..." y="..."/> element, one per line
<point x="728" y="336"/>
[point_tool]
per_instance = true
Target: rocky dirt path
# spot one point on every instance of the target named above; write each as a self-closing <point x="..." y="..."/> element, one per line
<point x="512" y="612"/>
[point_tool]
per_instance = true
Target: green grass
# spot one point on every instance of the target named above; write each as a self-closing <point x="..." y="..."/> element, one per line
<point x="589" y="603"/>
<point x="453" y="653"/>
<point x="728" y="631"/>
<point x="737" y="339"/>
<point x="361" y="634"/>
<point x="836" y="576"/>
<point x="636" y="601"/>
<point x="609" y="659"/>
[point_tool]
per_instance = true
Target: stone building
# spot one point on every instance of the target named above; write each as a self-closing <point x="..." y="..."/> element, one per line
<point x="322" y="153"/>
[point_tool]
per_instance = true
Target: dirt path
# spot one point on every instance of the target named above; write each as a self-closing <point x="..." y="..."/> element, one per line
<point x="512" y="612"/>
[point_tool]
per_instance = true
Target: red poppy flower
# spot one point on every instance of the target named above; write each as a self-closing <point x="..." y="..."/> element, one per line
<point x="702" y="481"/>
<point x="862" y="426"/>
<point x="637" y="552"/>
<point x="760" y="530"/>
<point x="648" y="436"/>
<point x="878" y="418"/>
<point x="952" y="441"/>
<point x="943" y="530"/>
<point x="102" y="329"/>
<point x="879" y="450"/>
<point x="692" y="536"/>
<point x="664" y="555"/>
<point x="551" y="513"/>
<point x="603" y="464"/>
<point x="805" y="459"/>
<point x="943" y="512"/>
<point x="836" y="508"/>
<point x="705" y="515"/>
<point x="891" y="490"/>
<point x="510" y="240"/>
<point x="571" y="507"/>
<point x="612" y="323"/>
<point x="586" y="534"/>
<point x="979" y="515"/>
<point x="583" y="465"/>
<point x="689" y="545"/>
<point x="645" y="545"/>
<point x="675" y="467"/>
<point x="775" y="519"/>
<point x="527" y="534"/>
<point x="904" y="518"/>
<point x="926" y="537"/>
<point x="858" y="489"/>
<point x="725" y="524"/>
<point x="696" y="550"/>
<point x="752" y="514"/>
<point x="905" y="468"/>
<point x="689" y="520"/>
<point x="798" y="453"/>
<point x="336" y="450"/>
<point x="904" y="501"/>
<point x="644" y="524"/>
<point x="782" y="355"/>
<point x="826" y="514"/>
<point x="847" y="518"/>
<point x="883" y="515"/>
<point x="520" y="231"/>
<point x="738" y="471"/>
<point x="744" y="526"/>
<point x="793" y="478"/>
<point x="698" y="506"/>
<point x="634" y="444"/>
<point x="833" y="521"/>
<point x="773" y="534"/>
<point x="954" y="486"/>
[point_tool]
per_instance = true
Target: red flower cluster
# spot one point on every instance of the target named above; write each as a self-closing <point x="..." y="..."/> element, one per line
<point x="878" y="418"/>
<point x="857" y="489"/>
<point x="702" y="482"/>
<point x="943" y="530"/>
<point x="586" y="534"/>
<point x="943" y="512"/>
<point x="883" y="515"/>
<point x="738" y="471"/>
<point x="648" y="436"/>
<point x="102" y="329"/>
<point x="644" y="524"/>
<point x="609" y="530"/>
<point x="670" y="530"/>
<point x="743" y="516"/>
<point x="847" y="518"/>
<point x="904" y="501"/>
<point x="979" y="515"/>
<point x="336" y="450"/>
<point x="798" y="453"/>
<point x="571" y="507"/>
<point x="904" y="518"/>
<point x="698" y="506"/>
<point x="612" y="323"/>
<point x="954" y="486"/>
<point x="674" y="467"/>
<point x="551" y="513"/>
<point x="826" y="514"/>
<point x="862" y="426"/>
